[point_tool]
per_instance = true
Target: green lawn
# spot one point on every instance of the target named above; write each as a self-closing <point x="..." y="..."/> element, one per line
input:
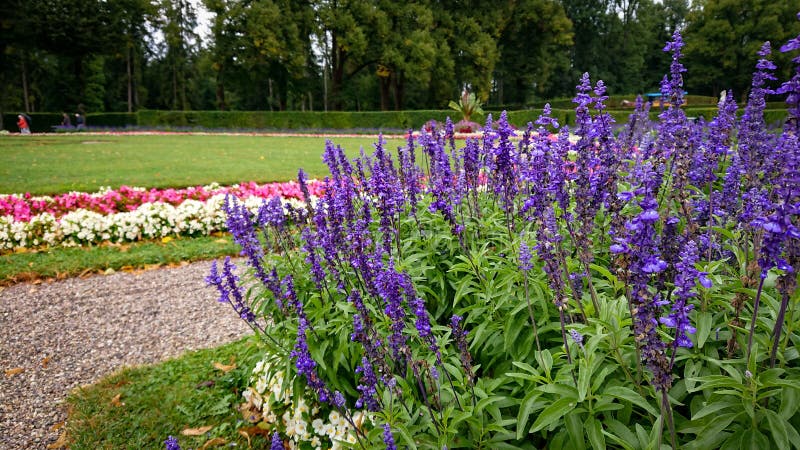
<point x="63" y="163"/>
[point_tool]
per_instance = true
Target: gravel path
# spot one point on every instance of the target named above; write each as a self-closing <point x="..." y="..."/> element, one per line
<point x="71" y="332"/>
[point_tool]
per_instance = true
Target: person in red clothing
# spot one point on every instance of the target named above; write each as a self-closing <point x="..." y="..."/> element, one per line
<point x="23" y="125"/>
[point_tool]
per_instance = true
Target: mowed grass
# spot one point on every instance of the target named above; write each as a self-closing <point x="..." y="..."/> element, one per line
<point x="63" y="262"/>
<point x="137" y="408"/>
<point x="62" y="163"/>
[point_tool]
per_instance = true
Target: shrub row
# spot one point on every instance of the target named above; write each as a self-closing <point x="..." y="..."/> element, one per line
<point x="317" y="120"/>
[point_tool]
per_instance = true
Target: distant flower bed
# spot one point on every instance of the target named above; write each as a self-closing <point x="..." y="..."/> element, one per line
<point x="130" y="214"/>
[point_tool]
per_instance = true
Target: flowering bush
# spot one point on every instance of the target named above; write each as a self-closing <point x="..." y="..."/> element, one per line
<point x="629" y="291"/>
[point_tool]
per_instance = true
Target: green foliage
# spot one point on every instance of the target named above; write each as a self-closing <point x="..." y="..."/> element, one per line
<point x="467" y="105"/>
<point x="63" y="262"/>
<point x="153" y="402"/>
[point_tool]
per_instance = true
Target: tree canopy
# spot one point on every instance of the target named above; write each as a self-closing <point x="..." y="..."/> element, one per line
<point x="96" y="55"/>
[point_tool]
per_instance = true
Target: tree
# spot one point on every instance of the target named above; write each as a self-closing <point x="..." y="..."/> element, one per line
<point x="723" y="36"/>
<point x="534" y="47"/>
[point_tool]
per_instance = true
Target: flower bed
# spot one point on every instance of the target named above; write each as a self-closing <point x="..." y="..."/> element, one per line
<point x="129" y="214"/>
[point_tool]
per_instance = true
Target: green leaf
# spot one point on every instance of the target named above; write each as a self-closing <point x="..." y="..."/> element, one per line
<point x="777" y="427"/>
<point x="716" y="382"/>
<point x="575" y="430"/>
<point x="594" y="431"/>
<point x="704" y="321"/>
<point x="714" y="407"/>
<point x="628" y="394"/>
<point x="528" y="404"/>
<point x="623" y="433"/>
<point x="584" y="378"/>
<point x="553" y="413"/>
<point x="790" y="401"/>
<point x="754" y="440"/>
<point x="402" y="431"/>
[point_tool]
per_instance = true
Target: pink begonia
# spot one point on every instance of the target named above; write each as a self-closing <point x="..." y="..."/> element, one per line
<point x="24" y="206"/>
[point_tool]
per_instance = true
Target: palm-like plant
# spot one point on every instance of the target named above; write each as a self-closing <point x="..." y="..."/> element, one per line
<point x="467" y="105"/>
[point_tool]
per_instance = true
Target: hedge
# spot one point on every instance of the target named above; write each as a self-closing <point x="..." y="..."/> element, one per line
<point x="391" y="121"/>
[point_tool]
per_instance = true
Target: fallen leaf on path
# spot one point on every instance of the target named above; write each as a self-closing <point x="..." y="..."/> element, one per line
<point x="246" y="436"/>
<point x="15" y="371"/>
<point x="255" y="431"/>
<point x="196" y="431"/>
<point x="58" y="426"/>
<point x="115" y="401"/>
<point x="223" y="367"/>
<point x="216" y="442"/>
<point x="61" y="442"/>
<point x="45" y="361"/>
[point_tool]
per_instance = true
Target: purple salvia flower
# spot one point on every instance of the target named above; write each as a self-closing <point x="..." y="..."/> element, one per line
<point x="368" y="387"/>
<point x="310" y="248"/>
<point x="227" y="284"/>
<point x="389" y="284"/>
<point x="504" y="177"/>
<point x="685" y="280"/>
<point x="576" y="337"/>
<point x="241" y="226"/>
<point x="547" y="248"/>
<point x="388" y="438"/>
<point x="441" y="182"/>
<point x="755" y="143"/>
<point x="645" y="261"/>
<point x="460" y="338"/>
<point x="410" y="174"/>
<point x="271" y="213"/>
<point x="277" y="443"/>
<point x="172" y="443"/>
<point x="524" y="257"/>
<point x="306" y="366"/>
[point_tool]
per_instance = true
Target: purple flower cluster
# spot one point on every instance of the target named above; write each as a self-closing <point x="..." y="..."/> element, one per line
<point x="388" y="438"/>
<point x="277" y="442"/>
<point x="230" y="292"/>
<point x="172" y="443"/>
<point x="685" y="280"/>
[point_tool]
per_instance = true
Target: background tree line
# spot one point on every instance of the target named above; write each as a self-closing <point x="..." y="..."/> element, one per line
<point x="124" y="55"/>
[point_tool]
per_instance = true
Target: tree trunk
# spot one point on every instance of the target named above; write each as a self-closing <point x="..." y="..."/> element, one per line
<point x="386" y="85"/>
<point x="25" y="88"/>
<point x="399" y="90"/>
<point x="337" y="74"/>
<point x="130" y="80"/>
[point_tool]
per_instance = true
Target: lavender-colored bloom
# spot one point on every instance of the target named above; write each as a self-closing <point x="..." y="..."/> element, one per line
<point x="390" y="288"/>
<point x="310" y="248"/>
<point x="277" y="442"/>
<point x="685" y="281"/>
<point x="755" y="143"/>
<point x="242" y="227"/>
<point x="227" y="284"/>
<point x="644" y="262"/>
<point x="385" y="186"/>
<point x="367" y="387"/>
<point x="548" y="239"/>
<point x="460" y="338"/>
<point x="172" y="443"/>
<point x="271" y="213"/>
<point x="503" y="177"/>
<point x="305" y="364"/>
<point x="388" y="438"/>
<point x="441" y="181"/>
<point x="524" y="257"/>
<point x="576" y="337"/>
